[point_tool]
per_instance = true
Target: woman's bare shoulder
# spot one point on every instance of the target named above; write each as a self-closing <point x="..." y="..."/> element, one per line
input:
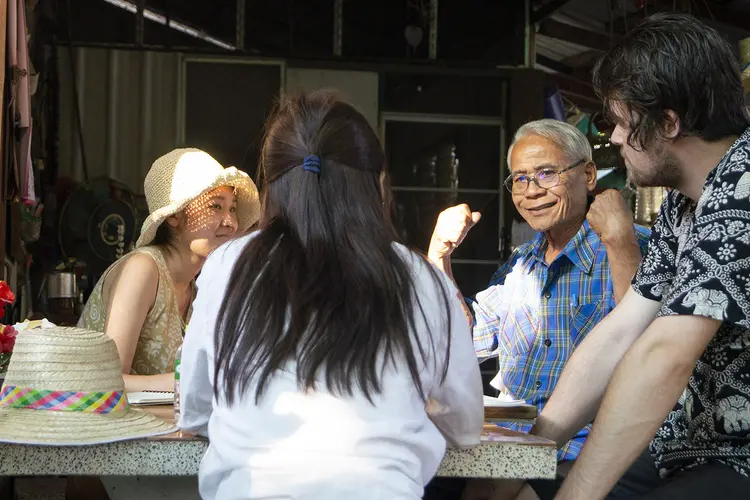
<point x="138" y="273"/>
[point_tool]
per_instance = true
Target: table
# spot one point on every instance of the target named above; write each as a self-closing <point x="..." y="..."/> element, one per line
<point x="524" y="413"/>
<point x="503" y="454"/>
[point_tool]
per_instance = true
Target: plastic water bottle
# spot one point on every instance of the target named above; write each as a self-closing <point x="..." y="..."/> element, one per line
<point x="177" y="360"/>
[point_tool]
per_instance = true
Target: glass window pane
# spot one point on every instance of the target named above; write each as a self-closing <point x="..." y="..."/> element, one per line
<point x="416" y="214"/>
<point x="443" y="155"/>
<point x="410" y="92"/>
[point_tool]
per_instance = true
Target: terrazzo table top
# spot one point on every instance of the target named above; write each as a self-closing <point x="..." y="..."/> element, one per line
<point x="503" y="454"/>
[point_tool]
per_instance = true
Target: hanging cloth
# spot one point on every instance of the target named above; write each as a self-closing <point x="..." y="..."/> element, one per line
<point x="20" y="116"/>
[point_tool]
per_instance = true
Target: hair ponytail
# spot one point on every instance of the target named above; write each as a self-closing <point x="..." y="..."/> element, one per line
<point x="322" y="283"/>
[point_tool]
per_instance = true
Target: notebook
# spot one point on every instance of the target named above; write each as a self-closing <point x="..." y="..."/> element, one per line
<point x="150" y="398"/>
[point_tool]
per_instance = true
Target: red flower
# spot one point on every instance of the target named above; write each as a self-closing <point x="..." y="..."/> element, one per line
<point x="6" y="297"/>
<point x="6" y="294"/>
<point x="8" y="338"/>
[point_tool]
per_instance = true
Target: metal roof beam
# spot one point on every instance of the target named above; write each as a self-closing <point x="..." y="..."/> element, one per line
<point x="574" y="34"/>
<point x="547" y="10"/>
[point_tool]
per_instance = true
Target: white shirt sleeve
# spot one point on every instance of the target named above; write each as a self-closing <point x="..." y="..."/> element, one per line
<point x="196" y="372"/>
<point x="456" y="406"/>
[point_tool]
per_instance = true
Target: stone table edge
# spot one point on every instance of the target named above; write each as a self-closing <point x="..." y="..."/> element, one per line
<point x="154" y="457"/>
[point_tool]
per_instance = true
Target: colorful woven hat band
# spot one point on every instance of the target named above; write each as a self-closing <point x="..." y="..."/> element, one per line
<point x="90" y="402"/>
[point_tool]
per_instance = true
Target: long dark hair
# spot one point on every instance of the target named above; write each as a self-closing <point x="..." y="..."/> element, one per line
<point x="673" y="62"/>
<point x="321" y="284"/>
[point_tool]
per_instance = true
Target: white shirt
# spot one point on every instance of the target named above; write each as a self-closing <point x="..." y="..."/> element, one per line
<point x="314" y="445"/>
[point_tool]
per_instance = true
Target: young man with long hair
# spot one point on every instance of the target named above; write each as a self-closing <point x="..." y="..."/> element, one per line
<point x="669" y="368"/>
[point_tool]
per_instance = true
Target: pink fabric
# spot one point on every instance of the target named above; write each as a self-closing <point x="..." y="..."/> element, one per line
<point x="24" y="97"/>
<point x="18" y="58"/>
<point x="12" y="32"/>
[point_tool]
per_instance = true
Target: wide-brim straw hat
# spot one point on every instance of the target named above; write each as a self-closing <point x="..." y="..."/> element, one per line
<point x="181" y="176"/>
<point x="64" y="386"/>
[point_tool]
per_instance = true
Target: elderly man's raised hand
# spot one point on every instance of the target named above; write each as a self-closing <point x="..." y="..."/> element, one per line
<point x="453" y="224"/>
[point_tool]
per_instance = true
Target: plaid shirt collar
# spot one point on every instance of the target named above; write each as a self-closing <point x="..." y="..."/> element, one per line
<point x="580" y="250"/>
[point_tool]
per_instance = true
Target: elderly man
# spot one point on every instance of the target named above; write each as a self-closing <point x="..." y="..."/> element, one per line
<point x="544" y="300"/>
<point x="671" y="365"/>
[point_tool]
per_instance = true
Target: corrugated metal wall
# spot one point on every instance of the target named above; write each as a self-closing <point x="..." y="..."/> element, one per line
<point x="129" y="108"/>
<point x="128" y="102"/>
<point x="360" y="88"/>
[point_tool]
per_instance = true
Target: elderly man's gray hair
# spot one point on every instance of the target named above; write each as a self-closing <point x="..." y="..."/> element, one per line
<point x="565" y="136"/>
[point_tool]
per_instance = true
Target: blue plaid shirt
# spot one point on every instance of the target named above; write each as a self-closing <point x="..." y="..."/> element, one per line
<point x="534" y="314"/>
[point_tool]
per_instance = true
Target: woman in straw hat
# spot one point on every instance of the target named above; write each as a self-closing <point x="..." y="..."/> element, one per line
<point x="143" y="301"/>
<point x="321" y="359"/>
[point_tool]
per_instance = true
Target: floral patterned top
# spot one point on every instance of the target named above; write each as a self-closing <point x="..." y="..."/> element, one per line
<point x="698" y="263"/>
<point x="163" y="329"/>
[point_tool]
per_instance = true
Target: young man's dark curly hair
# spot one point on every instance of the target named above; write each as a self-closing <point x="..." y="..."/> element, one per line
<point x="673" y="62"/>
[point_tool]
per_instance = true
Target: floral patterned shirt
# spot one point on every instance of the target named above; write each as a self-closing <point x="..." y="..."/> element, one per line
<point x="698" y="263"/>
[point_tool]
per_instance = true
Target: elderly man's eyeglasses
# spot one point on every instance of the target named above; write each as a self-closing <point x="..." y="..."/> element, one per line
<point x="544" y="179"/>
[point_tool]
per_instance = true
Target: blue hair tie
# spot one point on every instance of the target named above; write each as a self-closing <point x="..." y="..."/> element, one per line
<point x="311" y="164"/>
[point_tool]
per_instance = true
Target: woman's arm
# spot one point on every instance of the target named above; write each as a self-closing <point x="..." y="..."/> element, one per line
<point x="130" y="294"/>
<point x="455" y="406"/>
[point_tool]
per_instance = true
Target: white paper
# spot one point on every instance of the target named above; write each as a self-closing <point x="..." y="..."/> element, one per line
<point x="29" y="325"/>
<point x="502" y="400"/>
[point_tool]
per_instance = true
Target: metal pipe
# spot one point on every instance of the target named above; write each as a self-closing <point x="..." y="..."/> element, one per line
<point x="338" y="25"/>
<point x="144" y="47"/>
<point x="77" y="61"/>
<point x="392" y="116"/>
<point x="527" y="55"/>
<point x="167" y="21"/>
<point x="139" y="22"/>
<point x="412" y="67"/>
<point x="505" y="225"/>
<point x="147" y="70"/>
<point x="433" y="29"/>
<point x="159" y="18"/>
<point x="112" y="113"/>
<point x="239" y="41"/>
<point x="181" y="98"/>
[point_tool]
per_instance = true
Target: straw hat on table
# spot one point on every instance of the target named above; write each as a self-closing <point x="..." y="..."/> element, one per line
<point x="64" y="387"/>
<point x="181" y="176"/>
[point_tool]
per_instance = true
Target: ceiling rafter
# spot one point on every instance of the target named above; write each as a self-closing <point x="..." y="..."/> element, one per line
<point x="574" y="34"/>
<point x="547" y="10"/>
<point x="719" y="15"/>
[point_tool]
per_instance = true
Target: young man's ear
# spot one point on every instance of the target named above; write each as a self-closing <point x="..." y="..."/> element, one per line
<point x="671" y="125"/>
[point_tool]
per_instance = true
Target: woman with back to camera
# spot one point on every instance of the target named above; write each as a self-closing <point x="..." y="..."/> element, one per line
<point x="143" y="301"/>
<point x="311" y="377"/>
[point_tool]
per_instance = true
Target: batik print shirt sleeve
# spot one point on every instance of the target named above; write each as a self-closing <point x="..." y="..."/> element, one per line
<point x="713" y="273"/>
<point x="710" y="245"/>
